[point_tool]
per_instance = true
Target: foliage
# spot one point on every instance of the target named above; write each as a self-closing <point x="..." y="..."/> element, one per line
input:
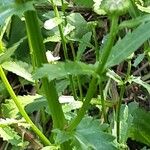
<point x="69" y="71"/>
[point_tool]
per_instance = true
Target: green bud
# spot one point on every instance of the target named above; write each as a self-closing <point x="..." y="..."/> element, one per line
<point x="115" y="7"/>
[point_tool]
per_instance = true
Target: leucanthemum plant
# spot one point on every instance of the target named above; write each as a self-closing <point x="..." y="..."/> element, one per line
<point x="73" y="103"/>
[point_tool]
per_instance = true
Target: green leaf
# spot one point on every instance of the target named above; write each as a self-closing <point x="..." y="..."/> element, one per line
<point x="6" y="55"/>
<point x="3" y="91"/>
<point x="111" y="74"/>
<point x="11" y="7"/>
<point x="138" y="60"/>
<point x="89" y="134"/>
<point x="8" y="134"/>
<point x="97" y="7"/>
<point x="51" y="148"/>
<point x="80" y="24"/>
<point x="140" y="82"/>
<point x="53" y="22"/>
<point x="10" y="110"/>
<point x="130" y="43"/>
<point x="134" y="22"/>
<point x="144" y="9"/>
<point x="125" y="124"/>
<point x="140" y="128"/>
<point x="68" y="104"/>
<point x="84" y="43"/>
<point x="63" y="69"/>
<point x="8" y="121"/>
<point x="83" y="3"/>
<point x="19" y="68"/>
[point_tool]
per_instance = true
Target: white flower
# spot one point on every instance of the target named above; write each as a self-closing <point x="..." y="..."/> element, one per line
<point x="50" y="57"/>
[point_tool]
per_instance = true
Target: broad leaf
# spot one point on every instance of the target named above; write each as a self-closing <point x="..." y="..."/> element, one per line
<point x="21" y="69"/>
<point x="11" y="7"/>
<point x="63" y="69"/>
<point x="51" y="23"/>
<point x="88" y="135"/>
<point x="80" y="24"/>
<point x="140" y="128"/>
<point x="84" y="43"/>
<point x="130" y="43"/>
<point x="6" y="55"/>
<point x="10" y="110"/>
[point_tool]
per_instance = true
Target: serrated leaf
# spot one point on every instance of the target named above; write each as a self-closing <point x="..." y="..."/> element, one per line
<point x="84" y="42"/>
<point x="6" y="55"/>
<point x="89" y="134"/>
<point x="19" y="68"/>
<point x="80" y="24"/>
<point x="8" y="134"/>
<point x="11" y="7"/>
<point x="63" y="69"/>
<point x="134" y="21"/>
<point x="130" y="43"/>
<point x="10" y="110"/>
<point x="8" y="121"/>
<point x="140" y="128"/>
<point x="68" y="104"/>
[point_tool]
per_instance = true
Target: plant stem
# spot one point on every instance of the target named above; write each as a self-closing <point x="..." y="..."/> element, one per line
<point x="107" y="48"/>
<point x="122" y="90"/>
<point x="120" y="100"/>
<point x="78" y="78"/>
<point x="21" y="109"/>
<point x="103" y="101"/>
<point x="38" y="48"/>
<point x="100" y="71"/>
<point x="96" y="44"/>
<point x="64" y="48"/>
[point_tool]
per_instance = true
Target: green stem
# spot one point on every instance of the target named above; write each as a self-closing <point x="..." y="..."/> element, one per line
<point x="64" y="48"/>
<point x="107" y="48"/>
<point x="37" y="47"/>
<point x="96" y="44"/>
<point x="63" y="10"/>
<point x="21" y="109"/>
<point x="100" y="70"/>
<point x="81" y="112"/>
<point x="118" y="111"/>
<point x="78" y="78"/>
<point x="103" y="102"/>
<point x="120" y="101"/>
